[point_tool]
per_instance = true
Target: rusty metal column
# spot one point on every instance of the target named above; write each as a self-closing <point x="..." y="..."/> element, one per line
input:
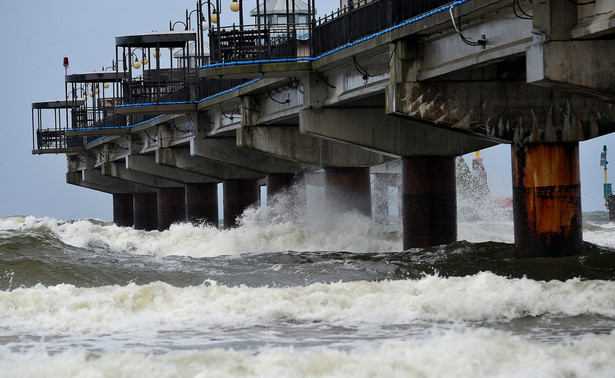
<point x="238" y="195"/>
<point x="171" y="207"/>
<point x="547" y="200"/>
<point x="123" y="215"/>
<point x="348" y="189"/>
<point x="202" y="203"/>
<point x="429" y="201"/>
<point x="145" y="207"/>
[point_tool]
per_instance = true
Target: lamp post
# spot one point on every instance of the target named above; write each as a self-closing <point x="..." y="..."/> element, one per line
<point x="214" y="10"/>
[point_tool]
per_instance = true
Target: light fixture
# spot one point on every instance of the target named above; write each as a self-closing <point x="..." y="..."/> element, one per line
<point x="85" y="97"/>
<point x="156" y="54"/>
<point x="204" y="24"/>
<point x="136" y="64"/>
<point x="91" y="94"/>
<point x="97" y="91"/>
<point x="144" y="60"/>
<point x="214" y="18"/>
<point x="235" y="6"/>
<point x="106" y="85"/>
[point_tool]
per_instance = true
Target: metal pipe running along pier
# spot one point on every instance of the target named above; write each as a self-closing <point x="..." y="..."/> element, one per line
<point x="419" y="82"/>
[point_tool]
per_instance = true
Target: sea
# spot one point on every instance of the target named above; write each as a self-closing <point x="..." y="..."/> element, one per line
<point x="317" y="295"/>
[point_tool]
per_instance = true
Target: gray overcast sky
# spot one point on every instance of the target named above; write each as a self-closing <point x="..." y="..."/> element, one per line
<point x="36" y="35"/>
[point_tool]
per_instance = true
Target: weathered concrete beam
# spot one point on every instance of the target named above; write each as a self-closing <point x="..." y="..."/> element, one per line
<point x="595" y="21"/>
<point x="371" y="128"/>
<point x="147" y="164"/>
<point x="95" y="177"/>
<point x="288" y="143"/>
<point x="563" y="65"/>
<point x="118" y="170"/>
<point x="507" y="111"/>
<point x="76" y="178"/>
<point x="182" y="159"/>
<point x="506" y="37"/>
<point x="225" y="150"/>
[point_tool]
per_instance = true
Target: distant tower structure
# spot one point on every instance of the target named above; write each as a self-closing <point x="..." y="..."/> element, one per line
<point x="276" y="13"/>
<point x="472" y="184"/>
<point x="479" y="176"/>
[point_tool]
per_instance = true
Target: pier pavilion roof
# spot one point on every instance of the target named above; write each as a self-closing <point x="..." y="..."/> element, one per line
<point x="94" y="77"/>
<point x="57" y="104"/>
<point x="157" y="39"/>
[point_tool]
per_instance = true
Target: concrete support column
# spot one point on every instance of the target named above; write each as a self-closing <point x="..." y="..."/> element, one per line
<point x="145" y="207"/>
<point x="348" y="189"/>
<point x="381" y="199"/>
<point x="429" y="201"/>
<point x="171" y="207"/>
<point x="547" y="200"/>
<point x="202" y="203"/>
<point x="123" y="215"/>
<point x="279" y="182"/>
<point x="294" y="203"/>
<point x="238" y="195"/>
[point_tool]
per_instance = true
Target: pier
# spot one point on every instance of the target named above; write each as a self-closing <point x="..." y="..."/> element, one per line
<point x="273" y="99"/>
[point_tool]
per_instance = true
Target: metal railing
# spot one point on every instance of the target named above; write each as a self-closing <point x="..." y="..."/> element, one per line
<point x="363" y="18"/>
<point x="252" y="43"/>
<point x="359" y="19"/>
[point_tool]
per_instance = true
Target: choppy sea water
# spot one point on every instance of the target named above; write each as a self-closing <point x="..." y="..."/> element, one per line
<point x="295" y="299"/>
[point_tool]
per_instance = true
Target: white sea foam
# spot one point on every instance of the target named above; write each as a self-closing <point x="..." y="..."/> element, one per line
<point x="350" y="232"/>
<point x="471" y="353"/>
<point x="65" y="309"/>
<point x="600" y="234"/>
